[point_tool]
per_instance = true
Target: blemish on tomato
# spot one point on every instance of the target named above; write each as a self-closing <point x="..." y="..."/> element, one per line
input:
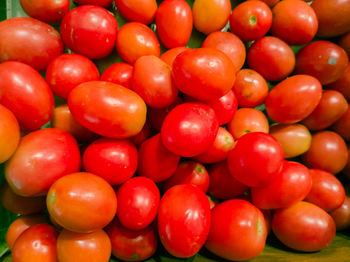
<point x="52" y="197"/>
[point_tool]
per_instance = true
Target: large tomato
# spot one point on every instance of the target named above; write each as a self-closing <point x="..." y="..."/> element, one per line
<point x="142" y="11"/>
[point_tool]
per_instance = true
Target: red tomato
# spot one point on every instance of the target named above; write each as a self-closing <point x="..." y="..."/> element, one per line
<point x="183" y="220"/>
<point x="342" y="126"/>
<point x="69" y="70"/>
<point x="251" y="20"/>
<point x="189" y="172"/>
<point x="29" y="41"/>
<point x="174" y="22"/>
<point x="344" y="42"/>
<point x="256" y="159"/>
<point x="106" y="109"/>
<point x="271" y="57"/>
<point x="119" y="73"/>
<point x="35" y="165"/>
<point x="293" y="99"/>
<point x="113" y="160"/>
<point x="81" y="202"/>
<point x="170" y="55"/>
<point x="322" y="59"/>
<point x="292" y="185"/>
<point x="104" y="3"/>
<point x="25" y="92"/>
<point x="155" y="161"/>
<point x="341" y="215"/>
<point x="238" y="230"/>
<point x="203" y="73"/>
<point x="142" y="11"/>
<point x="343" y="83"/>
<point x="189" y="129"/>
<point x="303" y="227"/>
<point x="80" y="27"/>
<point x="270" y="3"/>
<point x="144" y="134"/>
<point x="36" y="244"/>
<point x="135" y="40"/>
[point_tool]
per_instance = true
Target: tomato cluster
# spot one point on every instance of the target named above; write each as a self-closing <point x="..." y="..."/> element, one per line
<point x="182" y="147"/>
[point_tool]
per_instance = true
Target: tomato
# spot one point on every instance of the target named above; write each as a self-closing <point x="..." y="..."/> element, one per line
<point x="294" y="21"/>
<point x="155" y="161"/>
<point x="69" y="70"/>
<point x="251" y="20"/>
<point x="131" y="245"/>
<point x="203" y="73"/>
<point x="248" y="120"/>
<point x="331" y="108"/>
<point x="256" y="159"/>
<point x="292" y="185"/>
<point x="328" y="151"/>
<point x="35" y="166"/>
<point x="210" y="15"/>
<point x="189" y="172"/>
<point x="238" y="230"/>
<point x="346" y="170"/>
<point x="113" y="160"/>
<point x="174" y="22"/>
<point x="25" y="92"/>
<point x="170" y="55"/>
<point x="250" y="88"/>
<point x="229" y="44"/>
<point x="270" y="3"/>
<point x="104" y="3"/>
<point x="183" y="220"/>
<point x="222" y="184"/>
<point x="152" y="80"/>
<point x="293" y="99"/>
<point x="144" y="134"/>
<point x="36" y="244"/>
<point x="81" y="247"/>
<point x="342" y="84"/>
<point x="333" y="17"/>
<point x="46" y="11"/>
<point x="303" y="227"/>
<point x="81" y="25"/>
<point x="344" y="42"/>
<point x="295" y="139"/>
<point x="135" y="40"/>
<point x="342" y="126"/>
<point x="341" y="215"/>
<point x="119" y="73"/>
<point x="81" y="202"/>
<point x="29" y="41"/>
<point x="106" y="109"/>
<point x="189" y="129"/>
<point x="142" y="11"/>
<point x="327" y="192"/>
<point x="271" y="57"/>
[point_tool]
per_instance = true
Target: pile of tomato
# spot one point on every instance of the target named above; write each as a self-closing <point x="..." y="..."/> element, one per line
<point x="210" y="147"/>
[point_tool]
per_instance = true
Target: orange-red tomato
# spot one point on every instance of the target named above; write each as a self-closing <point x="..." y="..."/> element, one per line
<point x="119" y="73"/>
<point x="343" y="83"/>
<point x="342" y="126"/>
<point x="142" y="11"/>
<point x="341" y="215"/>
<point x="170" y="55"/>
<point x="344" y="42"/>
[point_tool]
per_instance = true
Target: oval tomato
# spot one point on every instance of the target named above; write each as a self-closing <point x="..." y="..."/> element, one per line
<point x="119" y="73"/>
<point x="170" y="55"/>
<point x="342" y="126"/>
<point x="341" y="215"/>
<point x="343" y="83"/>
<point x="142" y="11"/>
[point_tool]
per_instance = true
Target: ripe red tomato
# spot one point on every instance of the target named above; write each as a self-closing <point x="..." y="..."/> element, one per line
<point x="238" y="230"/>
<point x="104" y="3"/>
<point x="303" y="227"/>
<point x="189" y="129"/>
<point x="35" y="167"/>
<point x="25" y="92"/>
<point x="106" y="109"/>
<point x="113" y="160"/>
<point x="203" y="73"/>
<point x="170" y="55"/>
<point x="341" y="215"/>
<point x="80" y="27"/>
<point x="342" y="126"/>
<point x="183" y="220"/>
<point x="142" y="11"/>
<point x="256" y="159"/>
<point x="119" y="73"/>
<point x="293" y="99"/>
<point x="343" y="83"/>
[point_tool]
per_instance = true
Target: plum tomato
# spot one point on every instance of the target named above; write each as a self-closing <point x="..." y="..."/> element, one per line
<point x="342" y="126"/>
<point x="341" y="215"/>
<point x="104" y="3"/>
<point x="170" y="55"/>
<point x="343" y="83"/>
<point x="119" y="73"/>
<point x="256" y="159"/>
<point x="142" y="11"/>
<point x="183" y="220"/>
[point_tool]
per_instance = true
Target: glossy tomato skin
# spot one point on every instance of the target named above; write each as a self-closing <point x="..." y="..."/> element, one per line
<point x="170" y="55"/>
<point x="293" y="99"/>
<point x="341" y="215"/>
<point x="48" y="12"/>
<point x="35" y="167"/>
<point x="80" y="26"/>
<point x="189" y="129"/>
<point x="238" y="230"/>
<point x="69" y="70"/>
<point x="37" y="243"/>
<point x="174" y="22"/>
<point x="271" y="57"/>
<point x="203" y="73"/>
<point x="81" y="247"/>
<point x="183" y="220"/>
<point x="342" y="126"/>
<point x="343" y="83"/>
<point x="119" y="73"/>
<point x="104" y="3"/>
<point x="29" y="41"/>
<point x="106" y="109"/>
<point x="113" y="160"/>
<point x="25" y="92"/>
<point x="137" y="11"/>
<point x="292" y="185"/>
<point x="82" y="195"/>
<point x="303" y="227"/>
<point x="256" y="159"/>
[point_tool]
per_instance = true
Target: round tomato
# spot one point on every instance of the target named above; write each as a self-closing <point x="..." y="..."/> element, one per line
<point x="119" y="73"/>
<point x="142" y="11"/>
<point x="342" y="126"/>
<point x="170" y="55"/>
<point x="343" y="83"/>
<point x="341" y="215"/>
